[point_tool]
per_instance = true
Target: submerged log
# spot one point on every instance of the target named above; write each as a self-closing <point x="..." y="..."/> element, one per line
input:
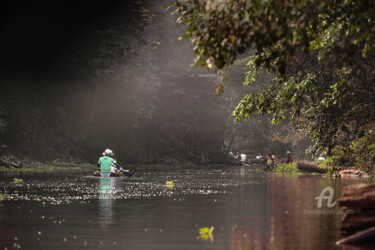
<point x="311" y="167"/>
<point x="358" y="203"/>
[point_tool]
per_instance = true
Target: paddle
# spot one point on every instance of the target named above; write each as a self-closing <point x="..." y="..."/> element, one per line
<point x="126" y="172"/>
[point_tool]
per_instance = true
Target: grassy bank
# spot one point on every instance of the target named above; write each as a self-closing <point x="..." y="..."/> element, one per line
<point x="287" y="168"/>
<point x="291" y="168"/>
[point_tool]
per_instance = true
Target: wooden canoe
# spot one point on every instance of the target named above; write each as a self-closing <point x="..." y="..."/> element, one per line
<point x="108" y="174"/>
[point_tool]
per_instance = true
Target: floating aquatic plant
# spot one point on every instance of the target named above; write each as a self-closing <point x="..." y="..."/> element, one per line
<point x="3" y="197"/>
<point x="207" y="233"/>
<point x="169" y="184"/>
<point x="16" y="180"/>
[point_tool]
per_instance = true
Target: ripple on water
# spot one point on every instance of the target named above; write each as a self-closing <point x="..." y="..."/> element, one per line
<point x="149" y="182"/>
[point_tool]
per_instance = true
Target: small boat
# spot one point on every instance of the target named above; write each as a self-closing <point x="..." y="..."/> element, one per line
<point x="108" y="174"/>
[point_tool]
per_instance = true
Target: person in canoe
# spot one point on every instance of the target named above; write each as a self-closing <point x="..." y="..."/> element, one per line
<point x="114" y="166"/>
<point x="108" y="166"/>
<point x="107" y="163"/>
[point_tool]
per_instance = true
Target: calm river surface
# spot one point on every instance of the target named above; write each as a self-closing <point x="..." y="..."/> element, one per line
<point x="249" y="209"/>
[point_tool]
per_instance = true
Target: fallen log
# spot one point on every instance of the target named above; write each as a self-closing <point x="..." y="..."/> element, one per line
<point x="363" y="236"/>
<point x="349" y="173"/>
<point x="10" y="164"/>
<point x="358" y="196"/>
<point x="357" y="218"/>
<point x="357" y="222"/>
<point x="311" y="167"/>
<point x="358" y="203"/>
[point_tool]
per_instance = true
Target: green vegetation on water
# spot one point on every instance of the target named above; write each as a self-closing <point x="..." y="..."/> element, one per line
<point x="2" y="197"/>
<point x="291" y="168"/>
<point x="287" y="168"/>
<point x="16" y="180"/>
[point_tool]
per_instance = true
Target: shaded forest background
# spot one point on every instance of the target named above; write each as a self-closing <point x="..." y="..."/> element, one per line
<point x="79" y="78"/>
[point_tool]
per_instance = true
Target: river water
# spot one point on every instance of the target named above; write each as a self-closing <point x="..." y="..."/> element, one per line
<point x="248" y="208"/>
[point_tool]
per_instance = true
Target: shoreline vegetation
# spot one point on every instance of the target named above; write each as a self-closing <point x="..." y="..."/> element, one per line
<point x="298" y="167"/>
<point x="286" y="74"/>
<point x="38" y="166"/>
<point x="287" y="168"/>
<point x="301" y="168"/>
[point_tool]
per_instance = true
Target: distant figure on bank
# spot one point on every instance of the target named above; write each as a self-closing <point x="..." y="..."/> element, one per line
<point x="243" y="157"/>
<point x="106" y="163"/>
<point x="231" y="155"/>
<point x="262" y="158"/>
<point x="270" y="160"/>
<point x="289" y="158"/>
<point x="237" y="156"/>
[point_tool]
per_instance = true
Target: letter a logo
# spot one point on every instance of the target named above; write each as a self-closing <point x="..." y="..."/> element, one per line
<point x="329" y="197"/>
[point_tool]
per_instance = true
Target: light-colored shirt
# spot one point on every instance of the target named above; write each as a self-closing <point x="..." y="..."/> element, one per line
<point x="243" y="157"/>
<point x="105" y="163"/>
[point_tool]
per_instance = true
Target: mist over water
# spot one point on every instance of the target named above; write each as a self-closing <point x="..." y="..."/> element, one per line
<point x="79" y="79"/>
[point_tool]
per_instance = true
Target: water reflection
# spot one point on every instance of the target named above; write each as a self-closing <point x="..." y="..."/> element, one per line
<point x="249" y="209"/>
<point x="251" y="225"/>
<point x="6" y="238"/>
<point x="107" y="191"/>
<point x="274" y="215"/>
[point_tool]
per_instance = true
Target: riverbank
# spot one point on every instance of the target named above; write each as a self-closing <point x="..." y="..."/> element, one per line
<point x="316" y="169"/>
<point x="30" y="165"/>
<point x="24" y="164"/>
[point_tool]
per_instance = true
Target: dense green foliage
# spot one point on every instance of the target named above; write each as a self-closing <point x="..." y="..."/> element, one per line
<point x="278" y="30"/>
<point x="319" y="53"/>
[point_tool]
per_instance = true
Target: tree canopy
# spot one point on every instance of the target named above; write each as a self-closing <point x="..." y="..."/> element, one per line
<point x="319" y="52"/>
